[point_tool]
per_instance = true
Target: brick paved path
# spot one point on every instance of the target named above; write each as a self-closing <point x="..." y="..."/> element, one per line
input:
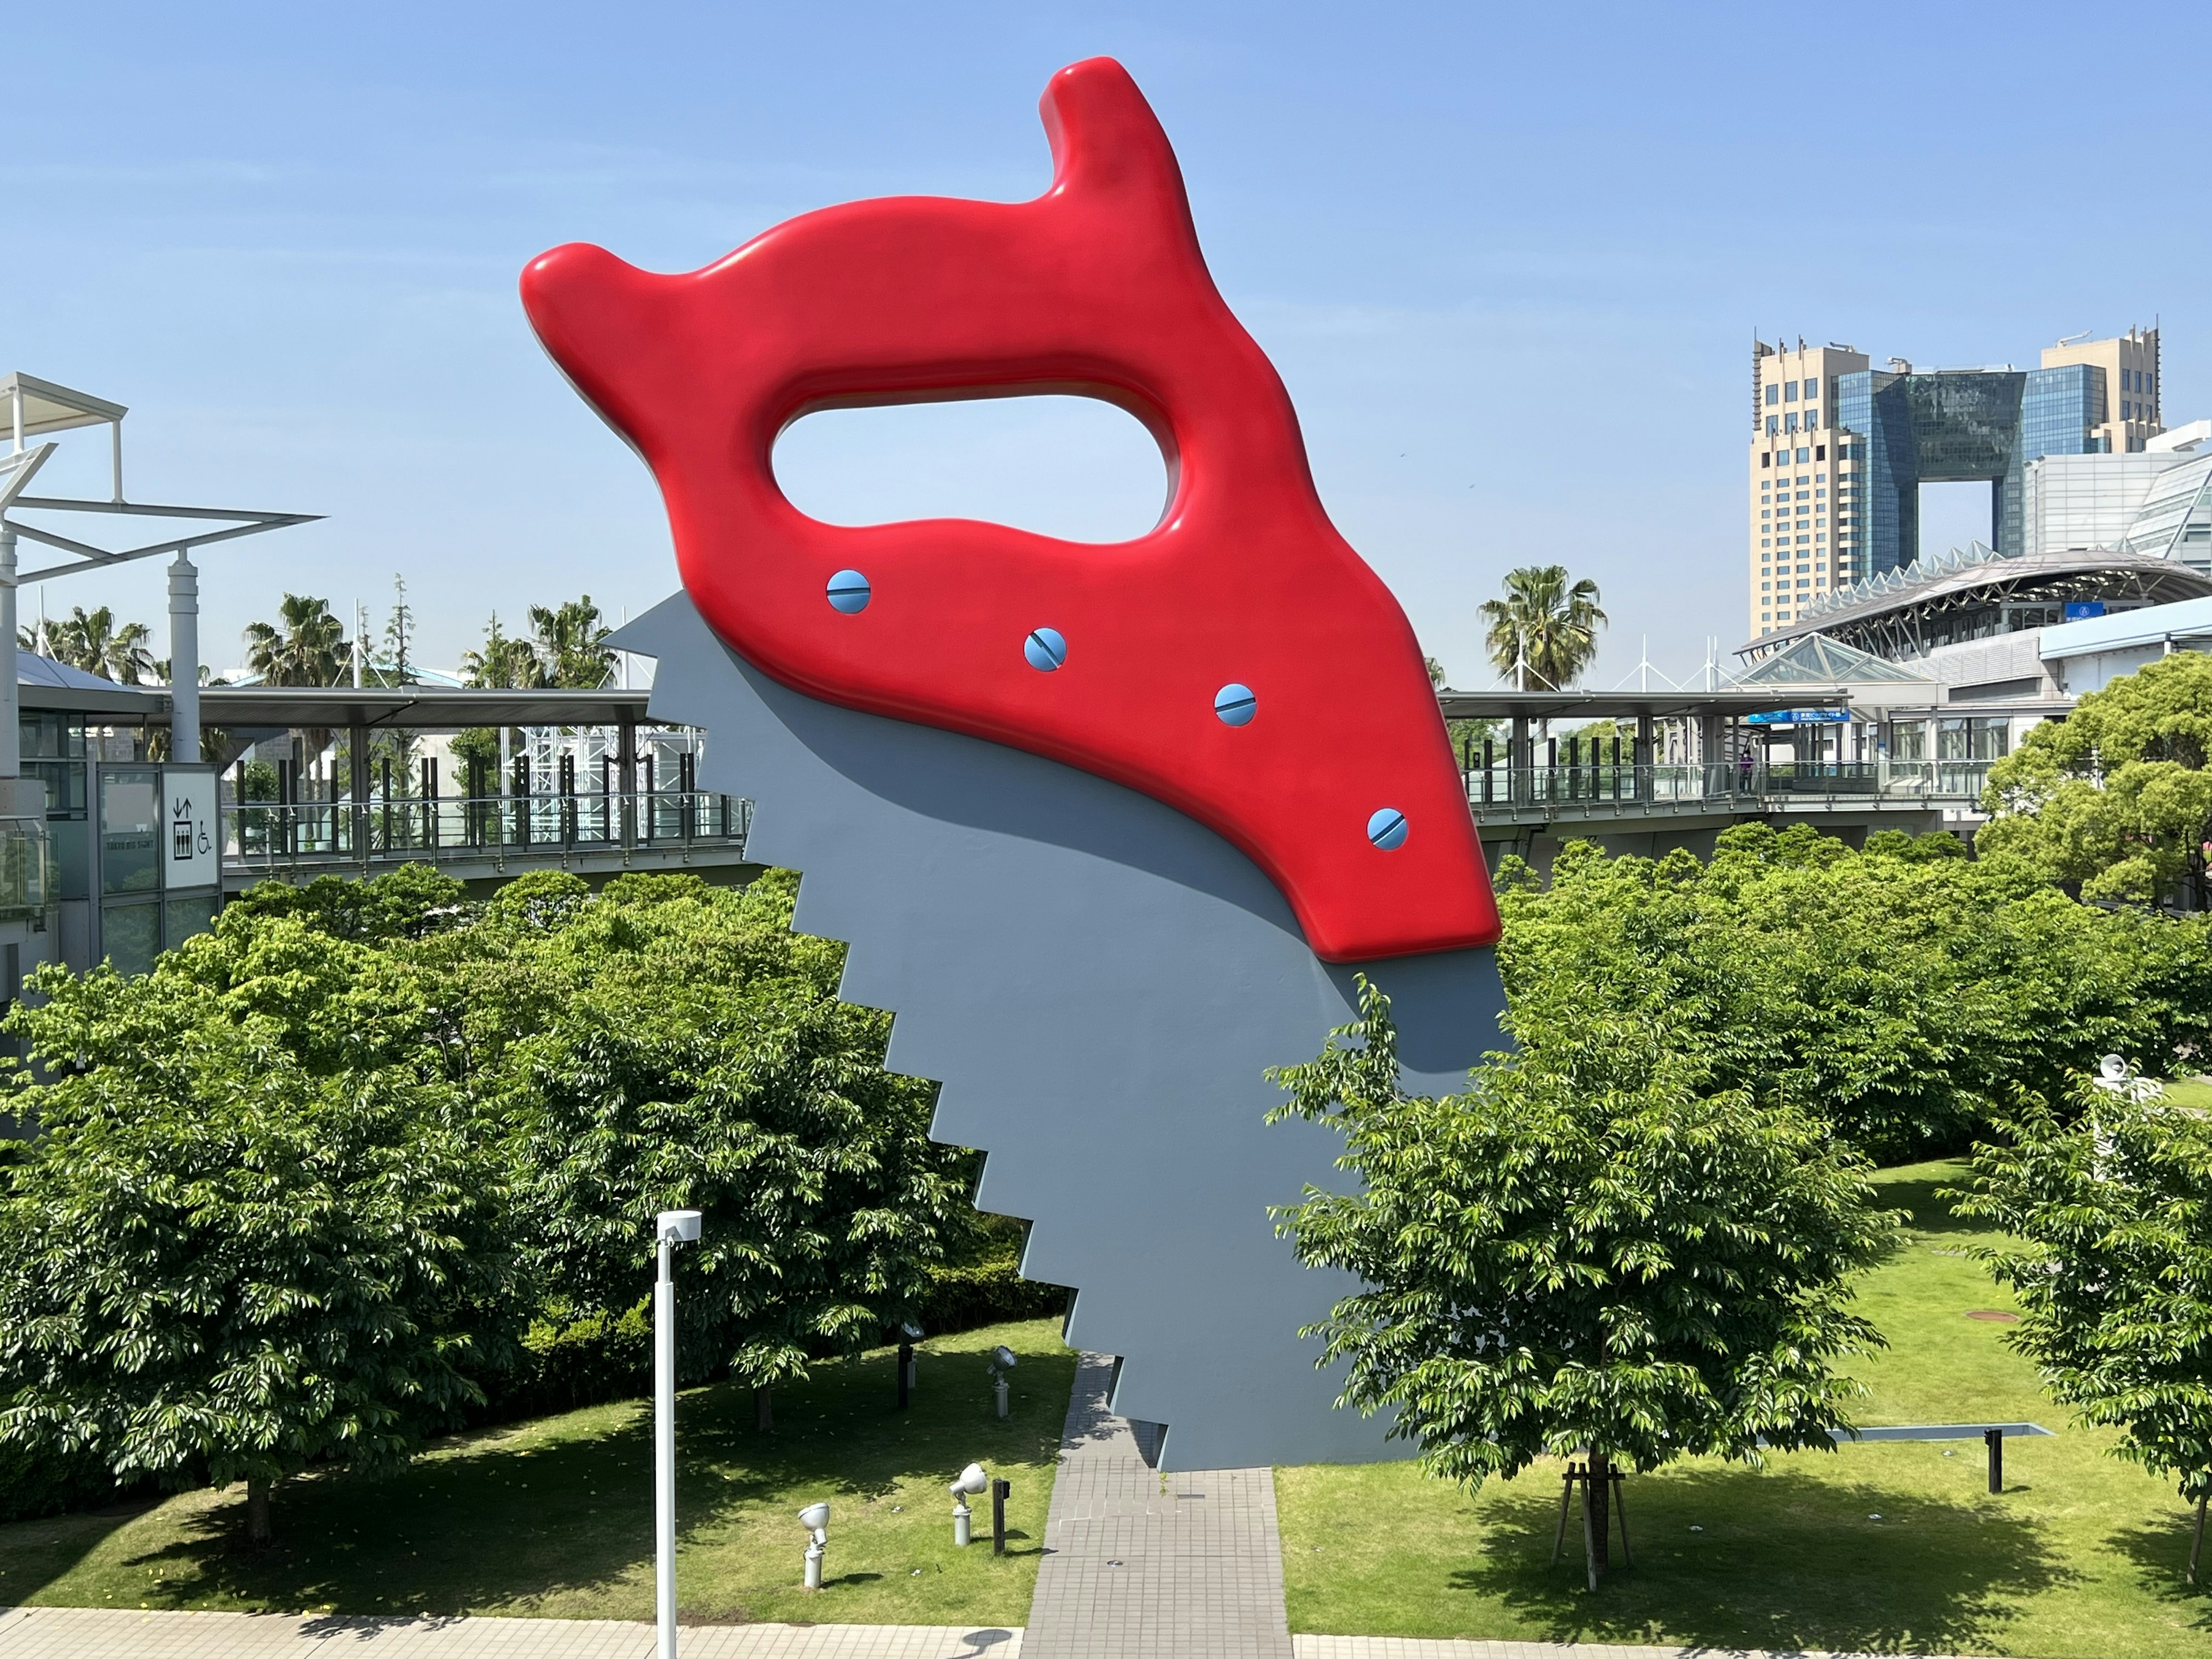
<point x="85" y="1633"/>
<point x="93" y="1633"/>
<point x="1139" y="1565"/>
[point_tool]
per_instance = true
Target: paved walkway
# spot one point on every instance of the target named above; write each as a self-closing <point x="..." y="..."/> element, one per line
<point x="87" y="1632"/>
<point x="93" y="1633"/>
<point x="1402" y="1647"/>
<point x="1142" y="1565"/>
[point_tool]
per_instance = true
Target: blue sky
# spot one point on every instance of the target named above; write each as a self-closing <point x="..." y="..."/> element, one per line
<point x="1507" y="259"/>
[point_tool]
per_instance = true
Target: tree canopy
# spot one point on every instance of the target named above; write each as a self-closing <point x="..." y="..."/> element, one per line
<point x="300" y="1189"/>
<point x="307" y="647"/>
<point x="1599" y="1244"/>
<point x="1543" y="630"/>
<point x="1904" y="991"/>
<point x="91" y="641"/>
<point x="2108" y="1207"/>
<point x="2115" y="797"/>
<point x="251" y="1233"/>
<point x="571" y="642"/>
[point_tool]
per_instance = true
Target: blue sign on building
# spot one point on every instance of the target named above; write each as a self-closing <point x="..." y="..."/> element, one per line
<point x="1801" y="717"/>
<point x="2082" y="610"/>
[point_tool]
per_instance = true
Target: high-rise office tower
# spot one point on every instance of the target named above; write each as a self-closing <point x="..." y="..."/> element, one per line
<point x="1839" y="451"/>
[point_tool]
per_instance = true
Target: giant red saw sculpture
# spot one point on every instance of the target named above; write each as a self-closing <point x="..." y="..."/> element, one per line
<point x="1232" y="780"/>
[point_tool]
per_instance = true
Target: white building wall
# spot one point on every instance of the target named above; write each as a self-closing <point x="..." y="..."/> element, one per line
<point x="2087" y="501"/>
<point x="2082" y="675"/>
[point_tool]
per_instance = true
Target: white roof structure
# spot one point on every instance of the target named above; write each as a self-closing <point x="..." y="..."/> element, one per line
<point x="2187" y="624"/>
<point x="31" y="407"/>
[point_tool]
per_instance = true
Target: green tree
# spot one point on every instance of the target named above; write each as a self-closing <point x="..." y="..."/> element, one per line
<point x="1543" y="631"/>
<point x="571" y="643"/>
<point x="707" y="1065"/>
<point x="1904" y="996"/>
<point x="502" y="663"/>
<point x="2108" y="1210"/>
<point x="308" y="648"/>
<point x="1593" y="1248"/>
<point x="90" y="640"/>
<point x="2116" y="796"/>
<point x="400" y="636"/>
<point x="251" y="1235"/>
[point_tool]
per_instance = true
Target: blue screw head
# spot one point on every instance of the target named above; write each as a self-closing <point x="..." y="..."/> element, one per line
<point x="1235" y="704"/>
<point x="1387" y="829"/>
<point x="849" y="591"/>
<point x="1045" y="649"/>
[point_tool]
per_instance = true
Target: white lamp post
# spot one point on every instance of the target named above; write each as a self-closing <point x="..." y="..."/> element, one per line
<point x="972" y="1479"/>
<point x="675" y="1227"/>
<point x="815" y="1517"/>
<point x="1002" y="1361"/>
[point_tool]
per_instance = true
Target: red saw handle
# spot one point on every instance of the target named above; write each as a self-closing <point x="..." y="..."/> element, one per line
<point x="1239" y="662"/>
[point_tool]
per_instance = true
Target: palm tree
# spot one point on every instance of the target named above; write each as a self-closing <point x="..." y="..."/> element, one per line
<point x="503" y="663"/>
<point x="1543" y="632"/>
<point x="309" y="649"/>
<point x="90" y="640"/>
<point x="571" y="641"/>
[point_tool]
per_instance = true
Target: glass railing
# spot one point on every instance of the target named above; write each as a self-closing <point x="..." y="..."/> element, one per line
<point x="271" y="835"/>
<point x="1600" y="786"/>
<point x="27" y="867"/>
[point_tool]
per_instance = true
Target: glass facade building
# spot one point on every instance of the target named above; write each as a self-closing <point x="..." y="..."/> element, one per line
<point x="1956" y="426"/>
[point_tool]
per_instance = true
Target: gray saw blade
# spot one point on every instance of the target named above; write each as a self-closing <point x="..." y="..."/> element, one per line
<point x="1098" y="984"/>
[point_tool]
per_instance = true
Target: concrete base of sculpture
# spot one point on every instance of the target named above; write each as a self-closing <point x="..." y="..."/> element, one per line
<point x="1100" y="984"/>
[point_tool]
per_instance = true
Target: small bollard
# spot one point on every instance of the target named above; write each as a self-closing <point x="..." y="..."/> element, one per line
<point x="905" y="1373"/>
<point x="815" y="1517"/>
<point x="973" y="1478"/>
<point x="1994" y="1438"/>
<point x="999" y="1388"/>
<point x="1000" y="1491"/>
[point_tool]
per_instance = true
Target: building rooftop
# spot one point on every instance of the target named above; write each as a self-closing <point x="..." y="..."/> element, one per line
<point x="2150" y="624"/>
<point x="1815" y="659"/>
<point x="46" y="683"/>
<point x="1905" y="613"/>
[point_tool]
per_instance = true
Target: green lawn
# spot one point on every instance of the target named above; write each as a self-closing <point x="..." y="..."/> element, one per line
<point x="2189" y="1092"/>
<point x="2082" y="1555"/>
<point x="554" y="1518"/>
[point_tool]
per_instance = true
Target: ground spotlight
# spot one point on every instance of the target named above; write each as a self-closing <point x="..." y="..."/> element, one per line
<point x="815" y="1517"/>
<point x="971" y="1480"/>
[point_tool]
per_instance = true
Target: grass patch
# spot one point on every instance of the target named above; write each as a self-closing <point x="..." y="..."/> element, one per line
<point x="2081" y="1558"/>
<point x="554" y="1518"/>
<point x="2189" y="1092"/>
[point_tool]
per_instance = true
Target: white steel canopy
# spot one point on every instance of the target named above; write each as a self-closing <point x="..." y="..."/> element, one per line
<point x="33" y="407"/>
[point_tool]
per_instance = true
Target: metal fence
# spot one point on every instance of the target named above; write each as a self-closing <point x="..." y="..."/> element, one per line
<point x="1600" y="786"/>
<point x="273" y="836"/>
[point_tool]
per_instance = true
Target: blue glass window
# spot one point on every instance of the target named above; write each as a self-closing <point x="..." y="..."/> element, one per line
<point x="1789" y="391"/>
<point x="1773" y="393"/>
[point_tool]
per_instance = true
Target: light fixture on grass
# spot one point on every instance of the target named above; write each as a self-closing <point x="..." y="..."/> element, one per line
<point x="815" y="1517"/>
<point x="909" y="1334"/>
<point x="972" y="1479"/>
<point x="1002" y="1361"/>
